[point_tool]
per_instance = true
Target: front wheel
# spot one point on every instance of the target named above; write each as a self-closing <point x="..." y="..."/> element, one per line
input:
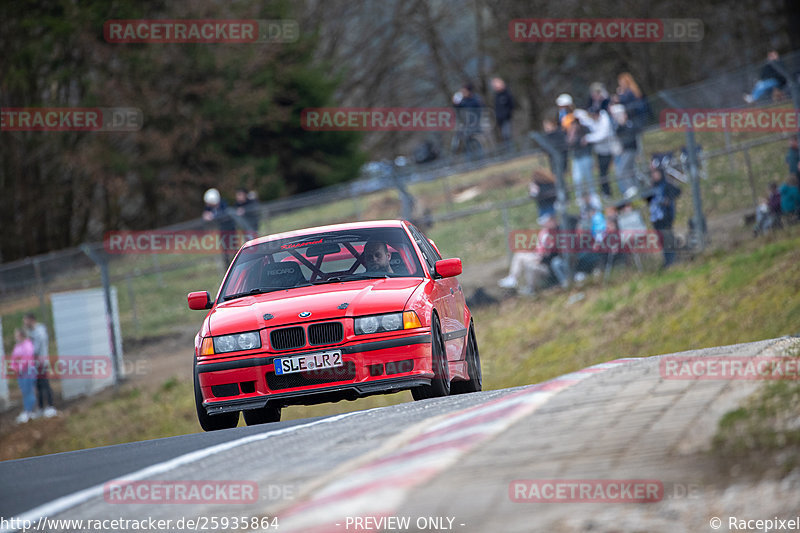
<point x="475" y="381"/>
<point x="253" y="417"/>
<point x="440" y="384"/>
<point x="211" y="422"/>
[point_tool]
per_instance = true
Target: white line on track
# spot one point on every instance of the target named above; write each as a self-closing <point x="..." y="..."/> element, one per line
<point x="76" y="498"/>
<point x="427" y="454"/>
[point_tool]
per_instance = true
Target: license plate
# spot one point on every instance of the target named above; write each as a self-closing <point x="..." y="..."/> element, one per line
<point x="308" y="362"/>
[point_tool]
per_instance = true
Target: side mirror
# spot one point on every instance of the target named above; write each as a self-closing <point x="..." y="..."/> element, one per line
<point x="448" y="268"/>
<point x="199" y="300"/>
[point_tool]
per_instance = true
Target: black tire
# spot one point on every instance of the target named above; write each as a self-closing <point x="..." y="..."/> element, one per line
<point x="211" y="422"/>
<point x="440" y="384"/>
<point x="473" y="358"/>
<point x="265" y="415"/>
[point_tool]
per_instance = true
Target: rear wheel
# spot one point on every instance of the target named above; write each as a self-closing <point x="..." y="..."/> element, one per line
<point x="440" y="384"/>
<point x="473" y="358"/>
<point x="253" y="417"/>
<point x="211" y="422"/>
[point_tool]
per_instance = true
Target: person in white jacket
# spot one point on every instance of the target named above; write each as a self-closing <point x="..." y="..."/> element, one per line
<point x="603" y="141"/>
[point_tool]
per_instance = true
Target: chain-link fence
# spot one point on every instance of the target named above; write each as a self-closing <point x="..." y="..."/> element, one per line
<point x="476" y="209"/>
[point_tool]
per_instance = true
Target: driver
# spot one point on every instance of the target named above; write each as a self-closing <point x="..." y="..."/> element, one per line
<point x="376" y="257"/>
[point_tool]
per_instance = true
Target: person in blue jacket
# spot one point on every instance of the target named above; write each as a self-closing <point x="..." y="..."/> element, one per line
<point x="661" y="199"/>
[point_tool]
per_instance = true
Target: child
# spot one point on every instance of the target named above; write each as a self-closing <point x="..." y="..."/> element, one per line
<point x="768" y="213"/>
<point x="22" y="362"/>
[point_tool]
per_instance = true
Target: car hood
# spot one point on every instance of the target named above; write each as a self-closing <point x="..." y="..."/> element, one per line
<point x="322" y="301"/>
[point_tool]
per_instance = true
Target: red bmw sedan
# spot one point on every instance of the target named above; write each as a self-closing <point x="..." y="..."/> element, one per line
<point x="332" y="313"/>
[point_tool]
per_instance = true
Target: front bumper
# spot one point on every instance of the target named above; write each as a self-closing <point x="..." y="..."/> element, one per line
<point x="371" y="367"/>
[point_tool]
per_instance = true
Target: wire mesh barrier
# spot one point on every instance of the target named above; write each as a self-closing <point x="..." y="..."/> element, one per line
<point x="479" y="209"/>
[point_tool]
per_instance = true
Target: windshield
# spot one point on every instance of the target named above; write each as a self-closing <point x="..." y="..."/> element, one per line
<point x="328" y="257"/>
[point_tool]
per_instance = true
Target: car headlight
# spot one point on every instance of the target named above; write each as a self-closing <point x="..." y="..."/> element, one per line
<point x="237" y="342"/>
<point x="381" y="323"/>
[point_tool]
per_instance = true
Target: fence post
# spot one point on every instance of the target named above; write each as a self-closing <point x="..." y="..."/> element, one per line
<point x="102" y="261"/>
<point x="37" y="270"/>
<point x="356" y="203"/>
<point x="507" y="230"/>
<point x="448" y="195"/>
<point x="407" y="200"/>
<point x="157" y="267"/>
<point x="698" y="220"/>
<point x="132" y="298"/>
<point x="728" y="148"/>
<point x="561" y="188"/>
<point x="750" y="176"/>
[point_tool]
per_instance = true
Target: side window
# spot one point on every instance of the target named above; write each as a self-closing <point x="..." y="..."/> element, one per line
<point x="427" y="250"/>
<point x="437" y="256"/>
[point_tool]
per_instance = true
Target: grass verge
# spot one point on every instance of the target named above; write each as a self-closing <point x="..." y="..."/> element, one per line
<point x="762" y="436"/>
<point x="750" y="294"/>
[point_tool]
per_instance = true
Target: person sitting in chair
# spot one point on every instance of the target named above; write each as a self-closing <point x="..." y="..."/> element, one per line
<point x="376" y="257"/>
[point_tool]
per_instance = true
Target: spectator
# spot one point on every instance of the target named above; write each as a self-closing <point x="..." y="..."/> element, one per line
<point x="539" y="265"/>
<point x="582" y="180"/>
<point x="41" y="352"/>
<point x="591" y="216"/>
<point x="590" y="220"/>
<point x="790" y="197"/>
<point x="589" y="204"/>
<point x="603" y="140"/>
<point x="23" y="363"/>
<point x="543" y="189"/>
<point x="216" y="211"/>
<point x="768" y="212"/>
<point x="793" y="157"/>
<point x="661" y="199"/>
<point x="565" y="110"/>
<point x="769" y="79"/>
<point x="469" y="107"/>
<point x="247" y="209"/>
<point x="605" y="247"/>
<point x="774" y="201"/>
<point x="625" y="163"/>
<point x="503" y="110"/>
<point x="612" y="247"/>
<point x="598" y="96"/>
<point x="558" y="140"/>
<point x="630" y="95"/>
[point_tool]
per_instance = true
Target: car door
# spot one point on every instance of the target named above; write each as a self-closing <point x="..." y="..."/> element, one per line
<point x="446" y="296"/>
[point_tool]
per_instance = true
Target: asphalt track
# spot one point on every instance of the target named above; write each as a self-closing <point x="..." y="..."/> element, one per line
<point x="448" y="464"/>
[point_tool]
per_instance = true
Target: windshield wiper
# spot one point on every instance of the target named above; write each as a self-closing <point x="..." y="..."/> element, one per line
<point x="355" y="277"/>
<point x="261" y="290"/>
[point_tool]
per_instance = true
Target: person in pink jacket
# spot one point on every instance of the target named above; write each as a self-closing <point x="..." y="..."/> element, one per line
<point x="24" y="366"/>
